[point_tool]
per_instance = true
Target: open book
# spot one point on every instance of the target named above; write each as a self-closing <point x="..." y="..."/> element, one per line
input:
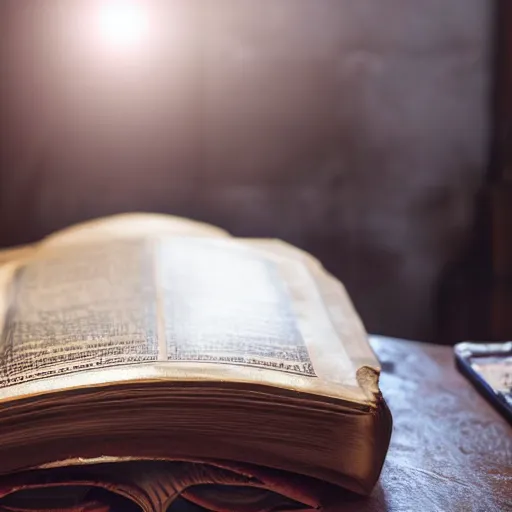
<point x="151" y="363"/>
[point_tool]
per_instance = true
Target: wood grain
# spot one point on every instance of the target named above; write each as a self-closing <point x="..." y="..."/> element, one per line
<point x="450" y="450"/>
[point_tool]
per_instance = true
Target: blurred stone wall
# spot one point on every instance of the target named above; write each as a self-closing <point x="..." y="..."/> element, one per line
<point x="355" y="129"/>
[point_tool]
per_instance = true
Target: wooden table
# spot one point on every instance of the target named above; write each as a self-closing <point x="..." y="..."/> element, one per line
<point x="450" y="450"/>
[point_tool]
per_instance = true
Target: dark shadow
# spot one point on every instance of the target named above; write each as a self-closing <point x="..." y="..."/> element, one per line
<point x="345" y="501"/>
<point x="233" y="497"/>
<point x="66" y="496"/>
<point x="182" y="505"/>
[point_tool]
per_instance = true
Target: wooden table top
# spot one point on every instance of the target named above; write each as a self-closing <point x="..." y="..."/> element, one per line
<point x="450" y="450"/>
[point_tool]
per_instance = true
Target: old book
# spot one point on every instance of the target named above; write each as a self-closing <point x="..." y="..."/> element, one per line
<point x="150" y="363"/>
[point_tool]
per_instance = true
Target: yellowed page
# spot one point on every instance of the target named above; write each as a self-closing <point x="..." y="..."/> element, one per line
<point x="89" y="307"/>
<point x="350" y="329"/>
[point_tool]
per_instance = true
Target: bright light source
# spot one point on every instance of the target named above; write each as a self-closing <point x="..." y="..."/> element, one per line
<point x="124" y="23"/>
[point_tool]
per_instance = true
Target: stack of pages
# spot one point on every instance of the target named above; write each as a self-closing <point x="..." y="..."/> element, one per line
<point x="151" y="363"/>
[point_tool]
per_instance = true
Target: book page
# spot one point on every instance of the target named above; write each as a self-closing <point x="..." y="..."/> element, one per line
<point x="80" y="309"/>
<point x="102" y="305"/>
<point x="349" y="327"/>
<point x="182" y="308"/>
<point x="229" y="307"/>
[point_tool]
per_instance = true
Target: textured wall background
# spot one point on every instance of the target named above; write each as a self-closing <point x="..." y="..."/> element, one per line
<point x="355" y="129"/>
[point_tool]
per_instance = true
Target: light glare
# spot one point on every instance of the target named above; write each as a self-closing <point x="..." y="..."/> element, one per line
<point x="124" y="23"/>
